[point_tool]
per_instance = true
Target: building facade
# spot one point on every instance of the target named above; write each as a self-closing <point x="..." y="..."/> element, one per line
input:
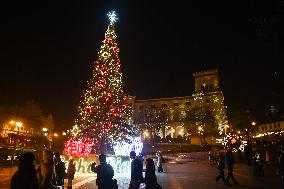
<point x="269" y="129"/>
<point x="201" y="114"/>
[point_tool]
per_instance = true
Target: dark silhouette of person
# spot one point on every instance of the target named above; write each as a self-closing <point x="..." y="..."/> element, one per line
<point x="221" y="167"/>
<point x="59" y="170"/>
<point x="25" y="177"/>
<point x="150" y="176"/>
<point x="248" y="153"/>
<point x="104" y="174"/>
<point x="136" y="171"/>
<point x="258" y="164"/>
<point x="280" y="170"/>
<point x="47" y="171"/>
<point x="230" y="166"/>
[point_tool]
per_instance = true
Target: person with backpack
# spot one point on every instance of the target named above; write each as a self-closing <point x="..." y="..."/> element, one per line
<point x="25" y="177"/>
<point x="59" y="170"/>
<point x="104" y="174"/>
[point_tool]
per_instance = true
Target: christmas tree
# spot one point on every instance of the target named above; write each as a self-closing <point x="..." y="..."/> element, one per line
<point x="103" y="113"/>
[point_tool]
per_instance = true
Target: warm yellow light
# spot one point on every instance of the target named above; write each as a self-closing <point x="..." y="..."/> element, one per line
<point x="173" y="130"/>
<point x="19" y="124"/>
<point x="55" y="134"/>
<point x="44" y="129"/>
<point x="199" y="128"/>
<point x="63" y="133"/>
<point x="12" y="122"/>
<point x="146" y="134"/>
<point x="239" y="132"/>
<point x="253" y="123"/>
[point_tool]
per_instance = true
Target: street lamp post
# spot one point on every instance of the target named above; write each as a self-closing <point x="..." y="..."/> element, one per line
<point x="253" y="124"/>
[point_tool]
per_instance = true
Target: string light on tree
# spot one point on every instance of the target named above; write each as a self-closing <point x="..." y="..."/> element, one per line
<point x="103" y="112"/>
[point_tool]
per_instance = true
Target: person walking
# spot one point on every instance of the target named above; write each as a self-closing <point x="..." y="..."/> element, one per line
<point x="47" y="171"/>
<point x="71" y="170"/>
<point x="230" y="166"/>
<point x="136" y="171"/>
<point x="150" y="176"/>
<point x="104" y="174"/>
<point x="221" y="167"/>
<point x="59" y="170"/>
<point x="25" y="177"/>
<point x="259" y="164"/>
<point x="160" y="162"/>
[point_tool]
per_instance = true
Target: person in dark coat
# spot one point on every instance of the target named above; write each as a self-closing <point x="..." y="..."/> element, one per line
<point x="25" y="177"/>
<point x="59" y="170"/>
<point x="136" y="171"/>
<point x="221" y="167"/>
<point x="71" y="170"/>
<point x="230" y="166"/>
<point x="258" y="164"/>
<point x="47" y="171"/>
<point x="104" y="174"/>
<point x="150" y="176"/>
<point x="280" y="170"/>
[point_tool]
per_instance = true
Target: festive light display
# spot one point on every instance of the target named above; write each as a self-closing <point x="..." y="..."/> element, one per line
<point x="103" y="112"/>
<point x="121" y="165"/>
<point x="79" y="147"/>
<point x="124" y="148"/>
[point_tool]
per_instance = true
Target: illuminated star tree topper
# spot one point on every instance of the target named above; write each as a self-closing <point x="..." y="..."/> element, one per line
<point x="112" y="17"/>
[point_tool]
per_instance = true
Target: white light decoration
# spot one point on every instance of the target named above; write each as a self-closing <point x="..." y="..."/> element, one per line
<point x="112" y="16"/>
<point x="124" y="148"/>
<point x="121" y="165"/>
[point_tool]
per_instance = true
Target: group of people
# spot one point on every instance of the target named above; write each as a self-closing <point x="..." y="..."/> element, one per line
<point x="227" y="160"/>
<point x="49" y="175"/>
<point x="258" y="162"/>
<point x="105" y="173"/>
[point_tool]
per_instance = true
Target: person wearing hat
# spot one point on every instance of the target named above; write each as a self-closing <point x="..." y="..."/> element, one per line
<point x="136" y="171"/>
<point x="25" y="177"/>
<point x="104" y="173"/>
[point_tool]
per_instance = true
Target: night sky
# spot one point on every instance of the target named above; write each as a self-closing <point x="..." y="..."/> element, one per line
<point x="47" y="49"/>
